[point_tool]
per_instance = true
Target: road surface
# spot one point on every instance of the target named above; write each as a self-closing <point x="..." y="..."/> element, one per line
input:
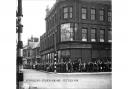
<point x="43" y="80"/>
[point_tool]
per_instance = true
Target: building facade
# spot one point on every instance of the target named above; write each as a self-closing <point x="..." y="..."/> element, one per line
<point x="31" y="51"/>
<point x="79" y="30"/>
<point x="36" y="53"/>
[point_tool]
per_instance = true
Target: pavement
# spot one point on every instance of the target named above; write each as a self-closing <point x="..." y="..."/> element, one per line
<point x="43" y="80"/>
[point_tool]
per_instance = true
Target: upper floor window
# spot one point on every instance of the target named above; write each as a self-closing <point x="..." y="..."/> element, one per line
<point x="101" y="12"/>
<point x="84" y="34"/>
<point x="84" y="13"/>
<point x="70" y="12"/>
<point x="109" y="16"/>
<point x="67" y="32"/>
<point x="102" y="35"/>
<point x="93" y="14"/>
<point x="67" y="12"/>
<point x="93" y="35"/>
<point x="110" y="35"/>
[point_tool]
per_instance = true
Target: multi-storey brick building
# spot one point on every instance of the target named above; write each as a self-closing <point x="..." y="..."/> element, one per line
<point x="78" y="30"/>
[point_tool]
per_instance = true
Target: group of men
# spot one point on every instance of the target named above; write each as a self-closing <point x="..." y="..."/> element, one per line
<point x="68" y="67"/>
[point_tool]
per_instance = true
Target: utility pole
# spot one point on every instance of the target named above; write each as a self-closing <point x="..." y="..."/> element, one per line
<point x="19" y="59"/>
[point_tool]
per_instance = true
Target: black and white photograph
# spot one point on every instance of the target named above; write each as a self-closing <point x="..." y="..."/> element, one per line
<point x="63" y="44"/>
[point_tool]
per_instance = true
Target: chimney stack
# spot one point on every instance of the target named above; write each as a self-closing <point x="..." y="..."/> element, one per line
<point x="47" y="10"/>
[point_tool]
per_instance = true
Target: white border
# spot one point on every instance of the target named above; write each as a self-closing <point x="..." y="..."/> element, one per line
<point x="120" y="43"/>
<point x="8" y="44"/>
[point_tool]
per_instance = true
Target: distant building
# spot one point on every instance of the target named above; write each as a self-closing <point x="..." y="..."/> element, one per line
<point x="78" y="30"/>
<point x="31" y="51"/>
<point x="36" y="53"/>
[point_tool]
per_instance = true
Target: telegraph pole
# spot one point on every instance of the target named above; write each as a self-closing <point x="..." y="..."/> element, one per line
<point x="19" y="59"/>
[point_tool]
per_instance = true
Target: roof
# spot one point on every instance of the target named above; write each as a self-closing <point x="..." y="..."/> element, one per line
<point x="57" y="1"/>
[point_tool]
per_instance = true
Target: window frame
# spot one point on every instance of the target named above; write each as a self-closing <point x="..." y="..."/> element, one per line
<point x="110" y="40"/>
<point x="109" y="14"/>
<point x="93" y="14"/>
<point x="102" y="39"/>
<point x="65" y="13"/>
<point x="83" y="13"/>
<point x="93" y="40"/>
<point x="68" y="13"/>
<point x="85" y="34"/>
<point x="65" y="32"/>
<point x="101" y="15"/>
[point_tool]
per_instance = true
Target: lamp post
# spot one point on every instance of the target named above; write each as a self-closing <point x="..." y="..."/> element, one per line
<point x="19" y="59"/>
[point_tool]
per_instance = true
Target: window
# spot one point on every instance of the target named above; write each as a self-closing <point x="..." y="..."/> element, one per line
<point x="50" y="22"/>
<point x="102" y="35"/>
<point x="109" y="16"/>
<point x="84" y="13"/>
<point x="65" y="54"/>
<point x="109" y="36"/>
<point x="50" y="58"/>
<point x="67" y="12"/>
<point x="101" y="15"/>
<point x="70" y="12"/>
<point x="59" y="56"/>
<point x="71" y="33"/>
<point x="67" y="32"/>
<point x="76" y="27"/>
<point x="84" y="34"/>
<point x="93" y="14"/>
<point x="93" y="35"/>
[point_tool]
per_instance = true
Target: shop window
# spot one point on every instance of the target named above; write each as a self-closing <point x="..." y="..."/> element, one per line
<point x="65" y="55"/>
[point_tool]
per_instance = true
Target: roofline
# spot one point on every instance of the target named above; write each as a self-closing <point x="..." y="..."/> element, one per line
<point x="57" y="1"/>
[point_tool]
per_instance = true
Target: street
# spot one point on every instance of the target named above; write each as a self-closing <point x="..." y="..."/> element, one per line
<point x="44" y="80"/>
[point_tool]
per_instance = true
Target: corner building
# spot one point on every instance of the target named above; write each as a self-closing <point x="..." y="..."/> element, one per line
<point x="79" y="30"/>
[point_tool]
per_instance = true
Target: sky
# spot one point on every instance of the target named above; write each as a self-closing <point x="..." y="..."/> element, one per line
<point x="34" y="13"/>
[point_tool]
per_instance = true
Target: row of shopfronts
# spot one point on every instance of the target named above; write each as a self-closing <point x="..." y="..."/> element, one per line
<point x="81" y="54"/>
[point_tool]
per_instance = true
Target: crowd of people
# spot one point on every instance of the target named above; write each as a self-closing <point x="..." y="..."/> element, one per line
<point x="68" y="67"/>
